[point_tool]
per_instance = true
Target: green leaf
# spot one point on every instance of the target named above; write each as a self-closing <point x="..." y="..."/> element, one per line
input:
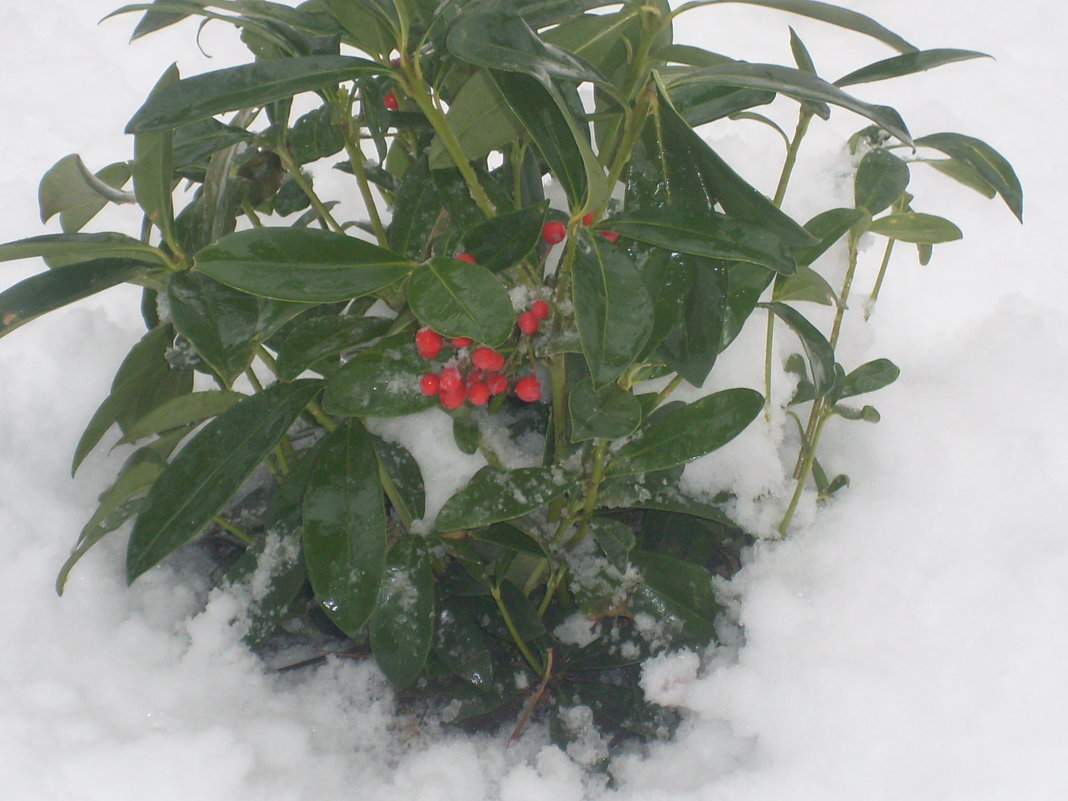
<point x="345" y="528"/>
<point x="827" y="228"/>
<point x="416" y="208"/>
<point x="45" y="292"/>
<point x="658" y="490"/>
<point x="73" y="248"/>
<point x="613" y="311"/>
<point x="801" y="86"/>
<point x="380" y="382"/>
<point x="505" y="240"/>
<point x="745" y="284"/>
<point x="607" y="412"/>
<point x="152" y="167"/>
<point x="562" y="141"/>
<point x="907" y="64"/>
<point x="301" y="264"/>
<point x="142" y="382"/>
<point x="466" y="434"/>
<point x="804" y="285"/>
<point x="402" y="624"/>
<point x="817" y="348"/>
<point x="494" y="495"/>
<point x="963" y="174"/>
<point x="460" y="299"/>
<point x="868" y="414"/>
<point x="680" y="435"/>
<point x="405" y="474"/>
<point x="247" y="86"/>
<point x="368" y="27"/>
<point x="679" y="595"/>
<point x="177" y="412"/>
<point x="825" y="12"/>
<point x="869" y="377"/>
<point x="500" y="39"/>
<point x="691" y="348"/>
<point x="224" y="325"/>
<point x="315" y="136"/>
<point x="460" y="644"/>
<point x="195" y="143"/>
<point x="480" y="119"/>
<point x="117" y="504"/>
<point x="802" y="58"/>
<point x="985" y="160"/>
<point x="707" y="234"/>
<point x="880" y="180"/>
<point x="206" y="473"/>
<point x="924" y="229"/>
<point x="318" y="338"/>
<point x="70" y="190"/>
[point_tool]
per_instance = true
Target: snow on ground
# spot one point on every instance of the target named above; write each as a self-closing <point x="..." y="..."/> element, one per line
<point x="907" y="642"/>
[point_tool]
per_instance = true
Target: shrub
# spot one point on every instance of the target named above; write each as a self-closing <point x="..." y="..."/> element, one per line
<point x="550" y="248"/>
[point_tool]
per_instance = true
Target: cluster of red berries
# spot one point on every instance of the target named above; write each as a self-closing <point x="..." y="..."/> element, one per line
<point x="483" y="377"/>
<point x="554" y="232"/>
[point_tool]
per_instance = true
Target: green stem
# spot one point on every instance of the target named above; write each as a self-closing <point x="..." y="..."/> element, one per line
<point x="226" y="525"/>
<point x="806" y="468"/>
<point x="250" y="212"/>
<point x="294" y="170"/>
<point x="550" y="591"/>
<point x="663" y="394"/>
<point x="343" y="109"/>
<point x="323" y="419"/>
<point x="524" y="649"/>
<point x="769" y="341"/>
<point x="390" y="488"/>
<point x="874" y="296"/>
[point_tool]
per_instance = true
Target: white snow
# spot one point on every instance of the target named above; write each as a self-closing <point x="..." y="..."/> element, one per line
<point x="905" y="642"/>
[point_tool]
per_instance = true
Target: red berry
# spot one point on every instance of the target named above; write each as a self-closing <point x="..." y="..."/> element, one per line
<point x="451" y="379"/>
<point x="428" y="342"/>
<point x="487" y="358"/>
<point x="540" y="309"/>
<point x="588" y="219"/>
<point x="528" y="388"/>
<point x="390" y="101"/>
<point x="553" y="232"/>
<point x="467" y="257"/>
<point x="452" y="398"/>
<point x="611" y="236"/>
<point x="528" y="323"/>
<point x="430" y="384"/>
<point x="461" y="342"/>
<point x="496" y="383"/>
<point x="474" y="376"/>
<point x="478" y="393"/>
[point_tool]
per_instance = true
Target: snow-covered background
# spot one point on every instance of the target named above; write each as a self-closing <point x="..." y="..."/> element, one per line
<point x="908" y="642"/>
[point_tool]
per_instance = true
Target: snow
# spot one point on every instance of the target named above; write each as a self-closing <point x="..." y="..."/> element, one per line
<point x="905" y="642"/>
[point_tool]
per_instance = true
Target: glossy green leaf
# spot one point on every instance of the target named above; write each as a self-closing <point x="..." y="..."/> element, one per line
<point x="301" y="264"/>
<point x="826" y="228"/>
<point x="207" y="472"/>
<point x="142" y="382"/>
<point x="801" y="86"/>
<point x="402" y="624"/>
<point x="907" y="64"/>
<point x="77" y="195"/>
<point x="315" y="135"/>
<point x="317" y="338"/>
<point x="152" y="166"/>
<point x="562" y="141"/>
<point x="985" y="160"/>
<point x="224" y="325"/>
<point x="380" y="382"/>
<point x="494" y="495"/>
<point x="804" y="285"/>
<point x="745" y="284"/>
<point x="607" y="412"/>
<point x="345" y="528"/>
<point x="367" y="25"/>
<point x="480" y="119"/>
<point x="197" y="142"/>
<point x="155" y="20"/>
<point x="416" y="211"/>
<point x="460" y="644"/>
<point x="613" y="311"/>
<point x="825" y="12"/>
<point x="117" y="504"/>
<point x="963" y="174"/>
<point x="683" y="434"/>
<point x="46" y="292"/>
<point x="508" y="537"/>
<point x="402" y="469"/>
<point x="880" y="180"/>
<point x="925" y="229"/>
<point x="691" y="348"/>
<point x="503" y="241"/>
<point x="668" y="280"/>
<point x="72" y="248"/>
<point x="466" y="434"/>
<point x="867" y="414"/>
<point x="869" y="377"/>
<point x="707" y="234"/>
<point x="679" y="595"/>
<point x="460" y="299"/>
<point x="246" y="86"/>
<point x="659" y="490"/>
<point x="179" y="411"/>
<point x="817" y="348"/>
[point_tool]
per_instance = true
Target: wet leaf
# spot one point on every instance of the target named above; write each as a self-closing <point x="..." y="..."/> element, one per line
<point x="880" y="180"/>
<point x="817" y="348"/>
<point x="460" y="299"/>
<point x="402" y="624"/>
<point x="607" y="412"/>
<point x="494" y="495"/>
<point x="990" y="164"/>
<point x="924" y="229"/>
<point x="907" y="64"/>
<point x="382" y="381"/>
